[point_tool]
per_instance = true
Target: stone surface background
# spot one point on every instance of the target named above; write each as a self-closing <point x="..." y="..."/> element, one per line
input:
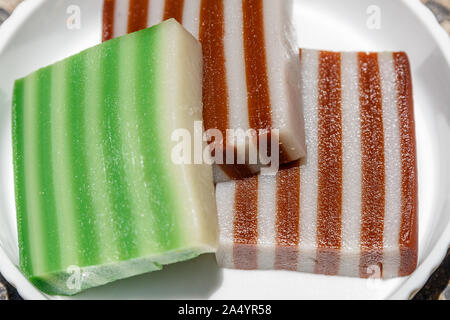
<point x="437" y="287"/>
<point x="441" y="9"/>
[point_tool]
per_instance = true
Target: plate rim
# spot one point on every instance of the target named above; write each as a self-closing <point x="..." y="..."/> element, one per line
<point x="405" y="291"/>
<point x="414" y="283"/>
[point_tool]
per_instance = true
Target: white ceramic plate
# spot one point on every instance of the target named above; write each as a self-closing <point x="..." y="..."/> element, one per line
<point x="37" y="35"/>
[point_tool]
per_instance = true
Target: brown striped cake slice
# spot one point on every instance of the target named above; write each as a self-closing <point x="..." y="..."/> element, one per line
<point x="251" y="67"/>
<point x="350" y="207"/>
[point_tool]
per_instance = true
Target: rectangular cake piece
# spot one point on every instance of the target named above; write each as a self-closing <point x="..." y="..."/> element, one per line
<point x="350" y="207"/>
<point x="98" y="196"/>
<point x="251" y="66"/>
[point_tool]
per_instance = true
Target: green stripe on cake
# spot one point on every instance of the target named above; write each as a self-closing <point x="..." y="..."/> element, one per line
<point x="62" y="159"/>
<point x="44" y="169"/>
<point x="85" y="218"/>
<point x="35" y="106"/>
<point x="118" y="190"/>
<point x="19" y="175"/>
<point x="138" y="96"/>
<point x="154" y="146"/>
<point x="107" y="241"/>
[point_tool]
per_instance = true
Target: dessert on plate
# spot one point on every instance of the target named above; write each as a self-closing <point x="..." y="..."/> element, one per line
<point x="101" y="195"/>
<point x="98" y="197"/>
<point x="350" y="207"/>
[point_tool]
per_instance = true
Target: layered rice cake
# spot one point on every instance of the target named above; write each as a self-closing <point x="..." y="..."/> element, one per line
<point x="97" y="195"/>
<point x="350" y="207"/>
<point x="251" y="67"/>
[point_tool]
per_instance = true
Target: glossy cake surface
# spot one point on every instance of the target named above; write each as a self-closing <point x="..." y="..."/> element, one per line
<point x="96" y="188"/>
<point x="251" y="66"/>
<point x="350" y="207"/>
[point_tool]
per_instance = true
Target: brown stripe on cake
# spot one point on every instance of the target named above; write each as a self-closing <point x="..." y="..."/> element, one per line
<point x="137" y="15"/>
<point x="258" y="93"/>
<point x="409" y="201"/>
<point x="236" y="171"/>
<point x="215" y="91"/>
<point x="174" y="9"/>
<point x="287" y="220"/>
<point x="246" y="224"/>
<point x="329" y="201"/>
<point x="259" y="109"/>
<point x="108" y="20"/>
<point x="372" y="163"/>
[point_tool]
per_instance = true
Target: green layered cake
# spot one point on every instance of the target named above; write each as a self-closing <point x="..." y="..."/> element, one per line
<point x="98" y="196"/>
